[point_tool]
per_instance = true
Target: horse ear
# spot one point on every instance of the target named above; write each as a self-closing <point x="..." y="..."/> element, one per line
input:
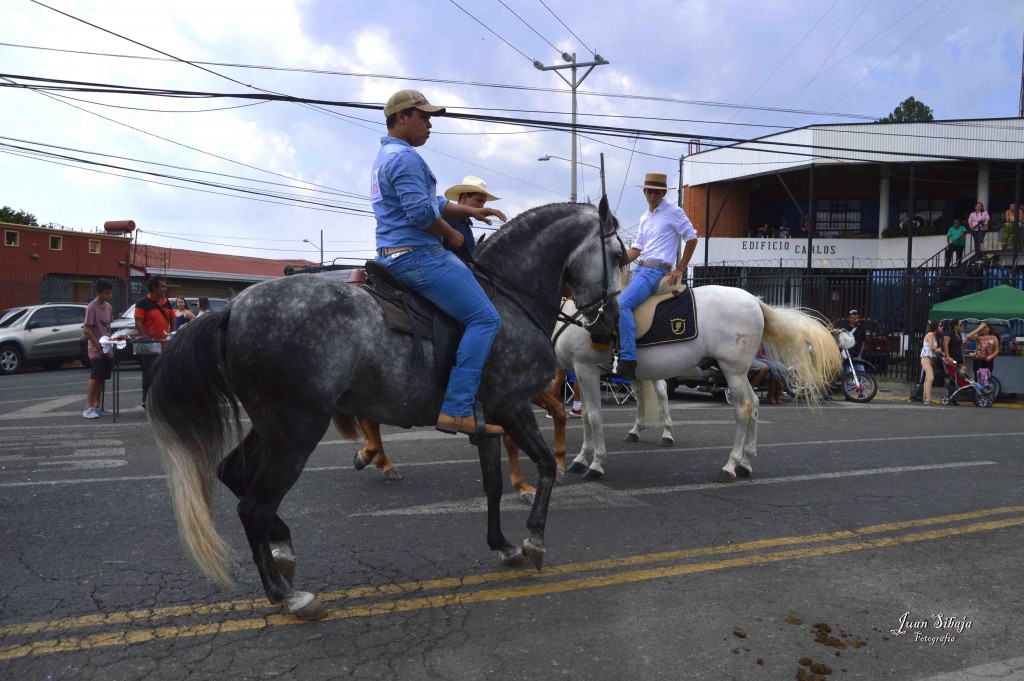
<point x="602" y="209"/>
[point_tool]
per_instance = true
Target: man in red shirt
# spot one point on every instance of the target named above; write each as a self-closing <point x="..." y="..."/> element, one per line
<point x="153" y="315"/>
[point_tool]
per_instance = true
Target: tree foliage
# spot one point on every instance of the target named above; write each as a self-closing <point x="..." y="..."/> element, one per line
<point x="909" y="111"/>
<point x="17" y="217"/>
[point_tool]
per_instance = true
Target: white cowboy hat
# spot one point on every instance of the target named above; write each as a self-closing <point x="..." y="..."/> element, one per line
<point x="470" y="185"/>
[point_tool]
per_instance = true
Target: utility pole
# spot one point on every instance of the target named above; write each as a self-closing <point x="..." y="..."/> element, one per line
<point x="1021" y="111"/>
<point x="573" y="84"/>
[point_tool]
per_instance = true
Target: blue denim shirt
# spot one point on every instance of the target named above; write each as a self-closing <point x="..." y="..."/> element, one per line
<point x="403" y="192"/>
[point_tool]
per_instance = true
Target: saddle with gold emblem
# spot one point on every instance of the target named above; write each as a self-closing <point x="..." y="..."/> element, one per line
<point x="669" y="316"/>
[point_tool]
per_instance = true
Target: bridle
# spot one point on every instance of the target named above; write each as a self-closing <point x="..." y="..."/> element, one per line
<point x="580" y="319"/>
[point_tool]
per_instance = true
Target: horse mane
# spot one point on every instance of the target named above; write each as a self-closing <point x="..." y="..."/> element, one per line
<point x="527" y="225"/>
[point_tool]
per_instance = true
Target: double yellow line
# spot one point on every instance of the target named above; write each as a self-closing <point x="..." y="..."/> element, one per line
<point x="142" y="626"/>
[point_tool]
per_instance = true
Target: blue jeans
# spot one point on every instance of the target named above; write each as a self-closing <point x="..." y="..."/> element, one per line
<point x="645" y="283"/>
<point x="440" y="277"/>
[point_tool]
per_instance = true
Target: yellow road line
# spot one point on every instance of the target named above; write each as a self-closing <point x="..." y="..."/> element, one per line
<point x="88" y="642"/>
<point x="148" y="615"/>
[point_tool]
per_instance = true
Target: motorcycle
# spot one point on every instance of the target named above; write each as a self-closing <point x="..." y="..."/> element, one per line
<point x="856" y="380"/>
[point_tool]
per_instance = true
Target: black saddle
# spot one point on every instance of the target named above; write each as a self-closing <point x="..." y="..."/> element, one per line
<point x="408" y="312"/>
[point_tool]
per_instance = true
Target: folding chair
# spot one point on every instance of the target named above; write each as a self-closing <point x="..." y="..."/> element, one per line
<point x="620" y="390"/>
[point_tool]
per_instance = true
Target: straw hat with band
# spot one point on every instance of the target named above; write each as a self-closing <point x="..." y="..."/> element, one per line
<point x="410" y="99"/>
<point x="655" y="181"/>
<point x="470" y="185"/>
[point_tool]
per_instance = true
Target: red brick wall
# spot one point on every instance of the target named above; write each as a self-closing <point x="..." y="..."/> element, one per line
<point x="72" y="259"/>
<point x="734" y="216"/>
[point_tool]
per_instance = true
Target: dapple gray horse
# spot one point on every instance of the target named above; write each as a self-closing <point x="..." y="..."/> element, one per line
<point x="297" y="352"/>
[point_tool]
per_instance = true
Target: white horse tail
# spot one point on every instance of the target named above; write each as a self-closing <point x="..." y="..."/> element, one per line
<point x="802" y="342"/>
<point x="185" y="402"/>
<point x="651" y="404"/>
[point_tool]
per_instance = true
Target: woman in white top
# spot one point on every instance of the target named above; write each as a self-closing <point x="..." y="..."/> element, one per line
<point x="929" y="350"/>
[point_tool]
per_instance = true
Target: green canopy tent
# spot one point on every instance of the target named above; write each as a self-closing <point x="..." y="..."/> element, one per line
<point x="1001" y="302"/>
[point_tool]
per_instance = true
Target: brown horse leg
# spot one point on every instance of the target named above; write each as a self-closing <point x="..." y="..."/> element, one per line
<point x="556" y="409"/>
<point x="373" y="450"/>
<point x="515" y="472"/>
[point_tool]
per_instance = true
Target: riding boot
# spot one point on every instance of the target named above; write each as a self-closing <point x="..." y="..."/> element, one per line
<point x="626" y="369"/>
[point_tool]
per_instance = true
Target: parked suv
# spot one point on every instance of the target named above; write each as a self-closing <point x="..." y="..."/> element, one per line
<point x="126" y="324"/>
<point x="40" y="334"/>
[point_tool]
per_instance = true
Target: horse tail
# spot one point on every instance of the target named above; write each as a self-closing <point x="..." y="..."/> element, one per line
<point x="802" y="342"/>
<point x="347" y="426"/>
<point x="185" y="408"/>
<point x="652" y="405"/>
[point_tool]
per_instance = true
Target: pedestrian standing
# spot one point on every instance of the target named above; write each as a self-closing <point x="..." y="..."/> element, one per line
<point x="929" y="351"/>
<point x="978" y="223"/>
<point x="153" y="315"/>
<point x="98" y="316"/>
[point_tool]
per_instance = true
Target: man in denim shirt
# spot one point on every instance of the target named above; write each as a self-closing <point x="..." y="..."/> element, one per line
<point x="657" y="240"/>
<point x="410" y="236"/>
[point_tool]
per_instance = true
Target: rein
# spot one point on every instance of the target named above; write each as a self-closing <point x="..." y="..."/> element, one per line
<point x="577" y="319"/>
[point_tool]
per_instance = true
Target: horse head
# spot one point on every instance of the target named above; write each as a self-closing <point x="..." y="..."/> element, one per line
<point x="594" y="275"/>
<point x="558" y="244"/>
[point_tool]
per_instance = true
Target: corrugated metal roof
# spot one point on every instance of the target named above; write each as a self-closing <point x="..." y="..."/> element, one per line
<point x="186" y="263"/>
<point x="999" y="139"/>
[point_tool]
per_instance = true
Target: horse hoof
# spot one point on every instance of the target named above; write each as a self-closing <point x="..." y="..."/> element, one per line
<point x="666" y="442"/>
<point x="725" y="476"/>
<point x="534" y="550"/>
<point x="526" y="498"/>
<point x="392" y="474"/>
<point x="513" y="556"/>
<point x="285" y="561"/>
<point x="742" y="471"/>
<point x="577" y="468"/>
<point x="591" y="474"/>
<point x="358" y="461"/>
<point x="559" y="474"/>
<point x="632" y="437"/>
<point x="305" y="606"/>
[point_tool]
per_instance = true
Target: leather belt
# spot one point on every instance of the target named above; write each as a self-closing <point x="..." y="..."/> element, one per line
<point x="655" y="263"/>
<point x="385" y="252"/>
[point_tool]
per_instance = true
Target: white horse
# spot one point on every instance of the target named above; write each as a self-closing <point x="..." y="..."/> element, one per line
<point x="730" y="326"/>
<point x="575" y="352"/>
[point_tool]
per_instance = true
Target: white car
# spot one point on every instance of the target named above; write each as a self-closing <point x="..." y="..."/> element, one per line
<point x="40" y="334"/>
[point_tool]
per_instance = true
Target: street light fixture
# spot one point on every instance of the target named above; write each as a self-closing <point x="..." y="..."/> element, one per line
<point x="573" y="84"/>
<point x="307" y="241"/>
<point x="591" y="165"/>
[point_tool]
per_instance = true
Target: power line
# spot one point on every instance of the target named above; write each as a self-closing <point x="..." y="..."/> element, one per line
<point x="490" y="31"/>
<point x="445" y="81"/>
<point x="191" y="170"/>
<point x="566" y="27"/>
<point x="527" y="24"/>
<point x="166" y="139"/>
<point x="649" y="135"/>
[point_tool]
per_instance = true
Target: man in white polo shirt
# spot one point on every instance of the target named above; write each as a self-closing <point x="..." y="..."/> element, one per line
<point x="656" y="245"/>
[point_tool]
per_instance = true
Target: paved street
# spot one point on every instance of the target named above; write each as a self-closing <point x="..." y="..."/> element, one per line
<point x="881" y="540"/>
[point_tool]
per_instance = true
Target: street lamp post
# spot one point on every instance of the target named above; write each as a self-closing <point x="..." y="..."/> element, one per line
<point x="573" y="84"/>
<point x="590" y="165"/>
<point x="307" y="241"/>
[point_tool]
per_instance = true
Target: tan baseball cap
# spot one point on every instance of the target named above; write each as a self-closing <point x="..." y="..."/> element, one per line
<point x="410" y="99"/>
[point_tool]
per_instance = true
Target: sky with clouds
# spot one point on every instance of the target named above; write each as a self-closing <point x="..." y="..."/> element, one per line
<point x="698" y="68"/>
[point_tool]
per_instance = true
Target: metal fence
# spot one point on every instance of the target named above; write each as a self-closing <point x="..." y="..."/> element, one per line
<point x="23" y="289"/>
<point x="893" y="303"/>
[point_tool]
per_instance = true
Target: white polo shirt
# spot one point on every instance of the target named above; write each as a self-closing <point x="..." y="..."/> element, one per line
<point x="660" y="232"/>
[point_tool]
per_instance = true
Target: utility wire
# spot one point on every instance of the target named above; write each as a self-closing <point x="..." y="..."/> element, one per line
<point x="191" y="170"/>
<point x="527" y="24"/>
<point x="444" y="81"/>
<point x="489" y="30"/>
<point x="166" y="139"/>
<point x="567" y="28"/>
<point x="646" y="134"/>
